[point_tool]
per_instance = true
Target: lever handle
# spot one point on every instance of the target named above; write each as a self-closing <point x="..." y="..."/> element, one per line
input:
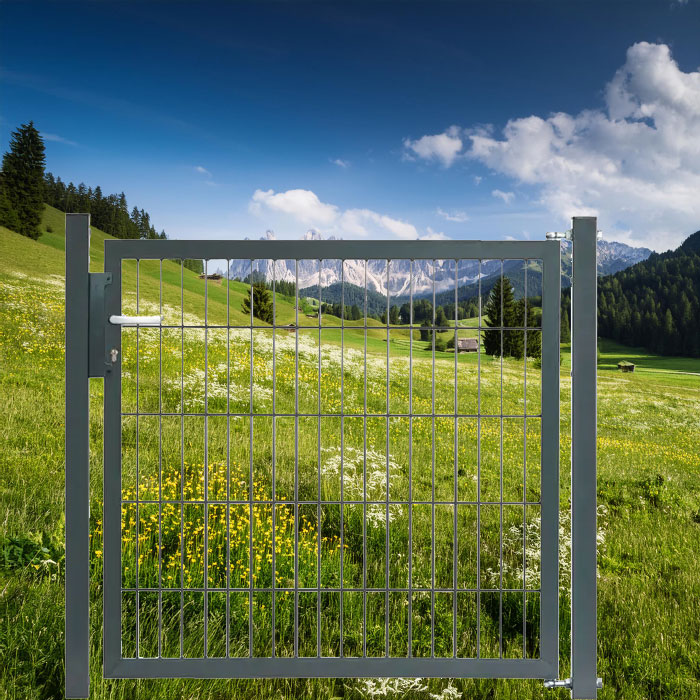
<point x="136" y="320"/>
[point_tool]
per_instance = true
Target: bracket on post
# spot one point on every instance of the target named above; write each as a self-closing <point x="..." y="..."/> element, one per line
<point x="97" y="365"/>
<point x="568" y="683"/>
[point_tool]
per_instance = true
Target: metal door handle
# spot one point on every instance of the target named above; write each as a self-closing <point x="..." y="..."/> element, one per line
<point x="136" y="320"/>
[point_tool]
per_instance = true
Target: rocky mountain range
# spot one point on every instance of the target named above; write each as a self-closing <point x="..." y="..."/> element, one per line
<point x="612" y="257"/>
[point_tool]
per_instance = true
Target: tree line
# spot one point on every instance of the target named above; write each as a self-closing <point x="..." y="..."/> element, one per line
<point x="25" y="187"/>
<point x="110" y="213"/>
<point x="655" y="304"/>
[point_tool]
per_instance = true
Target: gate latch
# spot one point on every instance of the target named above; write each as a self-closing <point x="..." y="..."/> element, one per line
<point x="96" y="324"/>
<point x="567" y="683"/>
<point x="135" y="320"/>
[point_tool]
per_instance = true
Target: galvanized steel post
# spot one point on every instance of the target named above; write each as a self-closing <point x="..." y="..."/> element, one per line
<point x="77" y="456"/>
<point x="584" y="681"/>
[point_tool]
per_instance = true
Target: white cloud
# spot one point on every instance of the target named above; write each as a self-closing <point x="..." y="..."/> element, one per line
<point x="454" y="215"/>
<point x="477" y="179"/>
<point x="635" y="164"/>
<point x="305" y="207"/>
<point x="340" y="162"/>
<point x="202" y="170"/>
<point x="507" y="197"/>
<point x="57" y="139"/>
<point x="443" y="147"/>
<point x="434" y="236"/>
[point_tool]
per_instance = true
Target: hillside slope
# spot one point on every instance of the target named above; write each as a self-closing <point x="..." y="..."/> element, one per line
<point x="656" y="303"/>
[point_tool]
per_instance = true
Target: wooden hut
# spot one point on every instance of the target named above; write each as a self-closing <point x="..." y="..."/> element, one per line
<point x="467" y="344"/>
<point x="216" y="278"/>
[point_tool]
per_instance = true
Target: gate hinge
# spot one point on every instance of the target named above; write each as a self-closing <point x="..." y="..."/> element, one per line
<point x="567" y="235"/>
<point x="559" y="235"/>
<point x="567" y="683"/>
<point x="97" y="366"/>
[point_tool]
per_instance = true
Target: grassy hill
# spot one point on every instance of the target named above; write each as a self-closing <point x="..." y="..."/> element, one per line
<point x="648" y="488"/>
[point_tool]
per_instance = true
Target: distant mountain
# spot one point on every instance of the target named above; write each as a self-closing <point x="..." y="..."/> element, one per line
<point x="656" y="303"/>
<point x="612" y="257"/>
<point x="398" y="280"/>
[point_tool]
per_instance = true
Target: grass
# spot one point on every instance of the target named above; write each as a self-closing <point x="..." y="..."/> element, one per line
<point x="649" y="491"/>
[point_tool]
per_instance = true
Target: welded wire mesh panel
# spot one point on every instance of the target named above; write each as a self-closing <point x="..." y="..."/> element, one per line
<point x="332" y="465"/>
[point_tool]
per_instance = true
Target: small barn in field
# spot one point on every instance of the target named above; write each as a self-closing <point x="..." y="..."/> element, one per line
<point x="467" y="344"/>
<point x="625" y="366"/>
<point x="214" y="277"/>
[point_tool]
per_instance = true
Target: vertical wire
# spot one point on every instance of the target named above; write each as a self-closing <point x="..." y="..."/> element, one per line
<point x="342" y="447"/>
<point x="432" y="479"/>
<point x="251" y="493"/>
<point x="318" y="517"/>
<point x="182" y="459"/>
<point x="500" y="529"/>
<point x="456" y="468"/>
<point x="206" y="459"/>
<point x="410" y="463"/>
<point x="274" y="458"/>
<point x="525" y="323"/>
<point x="228" y="458"/>
<point x="386" y="528"/>
<point x="138" y="477"/>
<point x="296" y="459"/>
<point x="160" y="460"/>
<point x="478" y="481"/>
<point x="364" y="488"/>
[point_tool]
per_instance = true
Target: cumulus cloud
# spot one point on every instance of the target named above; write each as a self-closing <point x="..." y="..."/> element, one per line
<point x="442" y="147"/>
<point x="507" y="197"/>
<point x="434" y="236"/>
<point x="455" y="215"/>
<point x="635" y="164"/>
<point x="305" y="207"/>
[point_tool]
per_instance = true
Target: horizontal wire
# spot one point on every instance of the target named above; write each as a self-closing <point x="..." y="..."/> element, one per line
<point x="345" y="501"/>
<point x="315" y="589"/>
<point x="250" y="414"/>
<point x="339" y="327"/>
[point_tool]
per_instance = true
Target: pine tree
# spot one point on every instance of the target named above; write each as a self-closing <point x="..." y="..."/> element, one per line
<point x="425" y="327"/>
<point x="501" y="299"/>
<point x="565" y="331"/>
<point x="262" y="302"/>
<point x="8" y="216"/>
<point x="440" y="317"/>
<point x="23" y="178"/>
<point x="50" y="189"/>
<point x="533" y="338"/>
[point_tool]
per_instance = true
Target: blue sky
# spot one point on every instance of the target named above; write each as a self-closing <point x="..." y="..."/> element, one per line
<point x="464" y="120"/>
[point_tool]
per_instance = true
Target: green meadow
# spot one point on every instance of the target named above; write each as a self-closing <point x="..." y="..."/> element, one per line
<point x="248" y="537"/>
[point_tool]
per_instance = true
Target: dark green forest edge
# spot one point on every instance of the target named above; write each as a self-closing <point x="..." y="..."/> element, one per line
<point x="655" y="304"/>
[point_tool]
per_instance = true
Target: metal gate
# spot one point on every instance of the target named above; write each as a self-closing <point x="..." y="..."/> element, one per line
<point x="309" y="483"/>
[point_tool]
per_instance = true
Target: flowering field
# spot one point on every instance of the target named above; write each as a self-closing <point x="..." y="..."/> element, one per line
<point x="649" y="495"/>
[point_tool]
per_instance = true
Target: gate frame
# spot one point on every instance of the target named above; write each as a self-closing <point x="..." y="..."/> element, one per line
<point x="87" y="356"/>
